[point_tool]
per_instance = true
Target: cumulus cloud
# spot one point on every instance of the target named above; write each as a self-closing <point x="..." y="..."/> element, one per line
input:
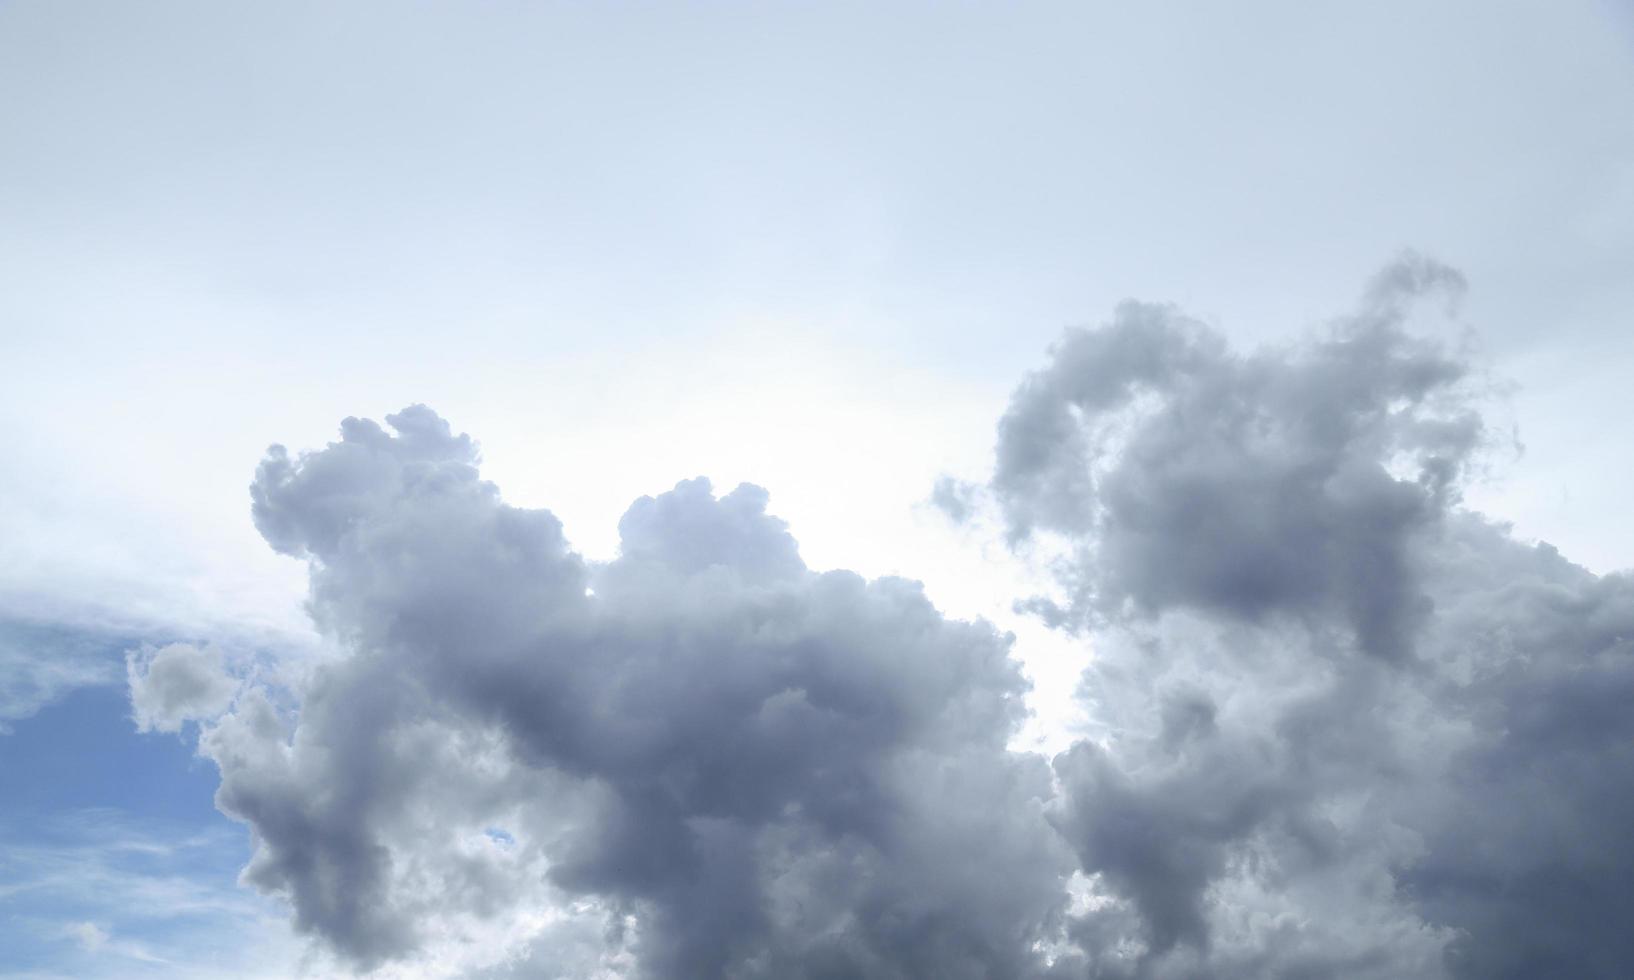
<point x="1339" y="725"/>
<point x="1345" y="727"/>
<point x="701" y="759"/>
<point x="175" y="684"/>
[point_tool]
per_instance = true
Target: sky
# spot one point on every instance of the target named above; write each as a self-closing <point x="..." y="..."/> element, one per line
<point x="1308" y="565"/>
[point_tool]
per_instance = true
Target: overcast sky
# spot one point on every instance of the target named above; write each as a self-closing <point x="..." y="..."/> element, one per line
<point x="819" y="249"/>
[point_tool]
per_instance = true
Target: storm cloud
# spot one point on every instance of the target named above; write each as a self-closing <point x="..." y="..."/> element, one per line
<point x="1339" y="725"/>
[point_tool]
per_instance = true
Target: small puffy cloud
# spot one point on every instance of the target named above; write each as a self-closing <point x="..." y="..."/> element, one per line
<point x="175" y="684"/>
<point x="955" y="498"/>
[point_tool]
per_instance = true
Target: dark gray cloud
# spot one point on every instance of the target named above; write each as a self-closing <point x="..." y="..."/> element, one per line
<point x="734" y="765"/>
<point x="1346" y="728"/>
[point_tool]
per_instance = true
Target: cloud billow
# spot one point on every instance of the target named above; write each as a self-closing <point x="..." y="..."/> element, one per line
<point x="733" y="765"/>
<point x="1338" y="724"/>
<point x="1344" y="727"/>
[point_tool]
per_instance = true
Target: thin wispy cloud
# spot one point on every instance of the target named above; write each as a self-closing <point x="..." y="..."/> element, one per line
<point x="102" y="895"/>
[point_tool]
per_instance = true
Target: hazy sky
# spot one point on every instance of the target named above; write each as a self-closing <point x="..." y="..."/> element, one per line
<point x="812" y="247"/>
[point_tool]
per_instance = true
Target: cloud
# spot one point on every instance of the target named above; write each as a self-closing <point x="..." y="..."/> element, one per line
<point x="52" y="647"/>
<point x="1284" y="482"/>
<point x="1338" y="725"/>
<point x="177" y="683"/>
<point x="1345" y="727"/>
<point x="699" y="759"/>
